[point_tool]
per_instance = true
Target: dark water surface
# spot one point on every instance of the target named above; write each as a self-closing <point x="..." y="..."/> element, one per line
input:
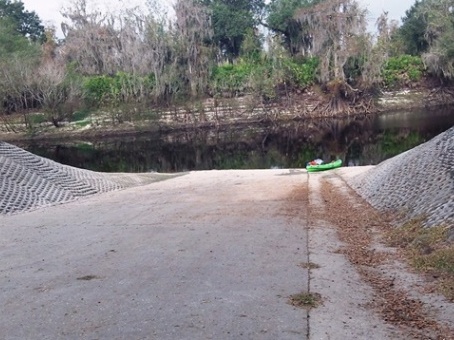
<point x="357" y="141"/>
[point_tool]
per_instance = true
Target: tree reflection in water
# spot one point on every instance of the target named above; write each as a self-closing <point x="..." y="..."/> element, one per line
<point x="357" y="141"/>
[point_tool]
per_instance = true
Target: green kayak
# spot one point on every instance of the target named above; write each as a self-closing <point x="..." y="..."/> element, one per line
<point x="323" y="167"/>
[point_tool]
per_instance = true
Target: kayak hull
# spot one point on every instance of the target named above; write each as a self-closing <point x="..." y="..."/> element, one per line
<point x="323" y="167"/>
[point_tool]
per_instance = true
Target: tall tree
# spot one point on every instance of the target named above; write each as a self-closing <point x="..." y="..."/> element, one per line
<point x="91" y="39"/>
<point x="231" y="21"/>
<point x="10" y="40"/>
<point x="413" y="30"/>
<point x="281" y="20"/>
<point x="337" y="28"/>
<point x="334" y="26"/>
<point x="439" y="15"/>
<point x="26" y="23"/>
<point x="18" y="61"/>
<point x="374" y="54"/>
<point x="194" y="29"/>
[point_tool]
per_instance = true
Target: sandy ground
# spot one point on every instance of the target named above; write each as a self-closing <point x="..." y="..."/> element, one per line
<point x="208" y="255"/>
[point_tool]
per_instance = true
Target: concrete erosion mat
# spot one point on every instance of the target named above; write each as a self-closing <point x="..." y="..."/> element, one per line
<point x="28" y="181"/>
<point x="202" y="255"/>
<point x="417" y="184"/>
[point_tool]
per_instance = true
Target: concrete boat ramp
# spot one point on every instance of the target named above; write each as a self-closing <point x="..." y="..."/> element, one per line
<point x="208" y="255"/>
<point x="201" y="255"/>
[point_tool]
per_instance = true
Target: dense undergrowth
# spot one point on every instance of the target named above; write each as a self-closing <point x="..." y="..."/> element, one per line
<point x="261" y="77"/>
<point x="402" y="71"/>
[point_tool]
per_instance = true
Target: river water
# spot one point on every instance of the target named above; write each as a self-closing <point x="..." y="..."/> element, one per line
<point x="357" y="141"/>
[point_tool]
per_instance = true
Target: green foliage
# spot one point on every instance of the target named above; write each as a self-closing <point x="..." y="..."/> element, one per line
<point x="412" y="33"/>
<point x="262" y="76"/>
<point x="231" y="20"/>
<point x="98" y="88"/>
<point x="18" y="60"/>
<point x="438" y="18"/>
<point x="251" y="47"/>
<point x="121" y="88"/>
<point x="281" y="12"/>
<point x="401" y="70"/>
<point x="281" y="20"/>
<point x="25" y="23"/>
<point x="232" y="78"/>
<point x="244" y="77"/>
<point x="303" y="73"/>
<point x="12" y="44"/>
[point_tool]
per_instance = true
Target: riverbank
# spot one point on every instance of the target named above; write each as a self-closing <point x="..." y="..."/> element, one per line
<point x="215" y="114"/>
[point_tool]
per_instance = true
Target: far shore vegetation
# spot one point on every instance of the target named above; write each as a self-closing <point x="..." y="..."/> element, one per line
<point x="135" y="62"/>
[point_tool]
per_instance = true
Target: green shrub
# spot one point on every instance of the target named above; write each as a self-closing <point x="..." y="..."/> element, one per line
<point x="262" y="76"/>
<point x="232" y="78"/>
<point x="303" y="73"/>
<point x="97" y="88"/>
<point x="121" y="88"/>
<point x="400" y="70"/>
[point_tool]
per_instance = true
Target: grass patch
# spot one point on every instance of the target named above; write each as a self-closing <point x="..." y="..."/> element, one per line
<point x="309" y="265"/>
<point x="305" y="300"/>
<point x="82" y="123"/>
<point x="37" y="118"/>
<point x="428" y="251"/>
<point x="80" y="115"/>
